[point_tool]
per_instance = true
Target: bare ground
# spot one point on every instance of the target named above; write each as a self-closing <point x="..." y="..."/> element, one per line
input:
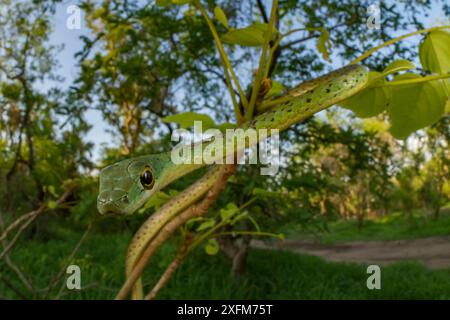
<point x="433" y="252"/>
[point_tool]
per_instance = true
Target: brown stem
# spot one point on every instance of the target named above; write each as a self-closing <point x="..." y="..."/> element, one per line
<point x="165" y="277"/>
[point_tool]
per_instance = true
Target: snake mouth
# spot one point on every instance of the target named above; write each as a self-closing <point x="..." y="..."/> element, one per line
<point x="109" y="204"/>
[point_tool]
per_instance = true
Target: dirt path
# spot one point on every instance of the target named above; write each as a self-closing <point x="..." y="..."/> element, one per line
<point x="433" y="252"/>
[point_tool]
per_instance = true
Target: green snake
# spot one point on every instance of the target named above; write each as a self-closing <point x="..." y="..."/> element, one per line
<point x="127" y="185"/>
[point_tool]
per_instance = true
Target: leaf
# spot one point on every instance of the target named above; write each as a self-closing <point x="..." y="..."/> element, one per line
<point x="398" y="65"/>
<point x="168" y="3"/>
<point x="52" y="204"/>
<point x="209" y="223"/>
<point x="186" y="120"/>
<point x="370" y="101"/>
<point x="220" y="16"/>
<point x="159" y="199"/>
<point x="434" y="52"/>
<point x="415" y="106"/>
<point x="251" y="36"/>
<point x="324" y="44"/>
<point x="212" y="247"/>
<point x="227" y="212"/>
<point x="181" y="2"/>
<point x="276" y="89"/>
<point x="51" y="190"/>
<point x="224" y="126"/>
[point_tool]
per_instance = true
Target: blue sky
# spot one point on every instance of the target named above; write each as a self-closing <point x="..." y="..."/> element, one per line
<point x="72" y="44"/>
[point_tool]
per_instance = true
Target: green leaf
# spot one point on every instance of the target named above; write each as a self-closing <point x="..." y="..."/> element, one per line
<point x="220" y="16"/>
<point x="434" y="52"/>
<point x="163" y="3"/>
<point x="209" y="223"/>
<point x="370" y="101"/>
<point x="181" y="2"/>
<point x="276" y="89"/>
<point x="186" y="120"/>
<point x="324" y="44"/>
<point x="227" y="212"/>
<point x="224" y="126"/>
<point x="251" y="36"/>
<point x="398" y="65"/>
<point x="212" y="247"/>
<point x="52" y="204"/>
<point x="415" y="106"/>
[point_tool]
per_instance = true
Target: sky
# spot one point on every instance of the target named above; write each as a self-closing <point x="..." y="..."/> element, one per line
<point x="70" y="39"/>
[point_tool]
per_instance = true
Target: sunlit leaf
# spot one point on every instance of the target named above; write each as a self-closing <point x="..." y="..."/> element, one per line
<point x="434" y="52"/>
<point x="224" y="126"/>
<point x="227" y="212"/>
<point x="398" y="65"/>
<point x="159" y="199"/>
<point x="186" y="120"/>
<point x="181" y="2"/>
<point x="51" y="190"/>
<point x="251" y="36"/>
<point x="220" y="16"/>
<point x="275" y="90"/>
<point x="52" y="204"/>
<point x="370" y="101"/>
<point x="207" y="224"/>
<point x="324" y="44"/>
<point x="415" y="106"/>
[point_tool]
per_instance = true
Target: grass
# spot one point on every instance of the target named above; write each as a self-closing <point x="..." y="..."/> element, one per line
<point x="271" y="274"/>
<point x="392" y="227"/>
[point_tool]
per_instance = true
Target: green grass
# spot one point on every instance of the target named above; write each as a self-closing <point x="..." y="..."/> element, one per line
<point x="392" y="227"/>
<point x="271" y="274"/>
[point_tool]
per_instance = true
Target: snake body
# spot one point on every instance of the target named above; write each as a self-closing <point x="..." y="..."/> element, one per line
<point x="123" y="191"/>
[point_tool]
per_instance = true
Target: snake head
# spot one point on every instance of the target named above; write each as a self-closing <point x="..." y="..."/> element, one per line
<point x="126" y="185"/>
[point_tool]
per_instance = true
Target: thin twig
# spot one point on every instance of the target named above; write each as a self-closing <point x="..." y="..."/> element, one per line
<point x="26" y="282"/>
<point x="165" y="277"/>
<point x="19" y="220"/>
<point x="31" y="218"/>
<point x="62" y="272"/>
<point x="397" y="39"/>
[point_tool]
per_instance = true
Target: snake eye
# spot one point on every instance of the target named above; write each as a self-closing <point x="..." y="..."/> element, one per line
<point x="146" y="178"/>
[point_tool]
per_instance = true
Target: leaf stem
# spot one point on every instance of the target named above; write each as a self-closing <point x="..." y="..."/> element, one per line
<point x="226" y="63"/>
<point x="385" y="44"/>
<point x="416" y="80"/>
<point x="262" y="63"/>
